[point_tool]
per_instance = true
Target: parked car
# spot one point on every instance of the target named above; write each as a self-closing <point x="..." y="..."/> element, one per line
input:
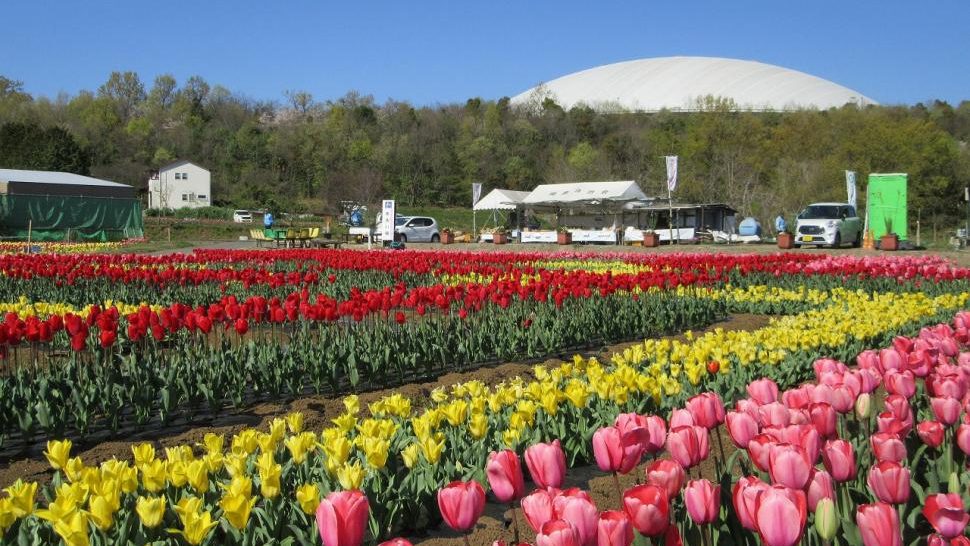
<point x="828" y="224"/>
<point x="242" y="217"/>
<point x="416" y="229"/>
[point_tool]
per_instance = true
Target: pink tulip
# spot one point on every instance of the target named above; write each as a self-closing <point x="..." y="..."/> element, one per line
<point x="888" y="447"/>
<point x="890" y="424"/>
<point x="824" y="419"/>
<point x="505" y="475"/>
<point x="557" y="533"/>
<point x="900" y="382"/>
<point x="823" y="366"/>
<point x="657" y="434"/>
<point x="706" y="409"/>
<point x="742" y="427"/>
<point x="946" y="410"/>
<point x="461" y="504"/>
<point x="804" y="436"/>
<point x="839" y="459"/>
<point x="891" y="359"/>
<point x="789" y="466"/>
<point x="879" y="525"/>
<point x="648" y="509"/>
<point x="780" y="515"/>
<point x="868" y="360"/>
<point x="774" y="415"/>
<point x="947" y="380"/>
<point x="820" y="487"/>
<point x="763" y="391"/>
<point x="759" y="451"/>
<point x="889" y="482"/>
<point x="963" y="438"/>
<point x="796" y="398"/>
<point x="538" y="508"/>
<point x="547" y="463"/>
<point x="931" y="432"/>
<point x="581" y="513"/>
<point x="681" y="418"/>
<point x="799" y="416"/>
<point x="613" y="529"/>
<point x="946" y="514"/>
<point x="342" y="518"/>
<point x="668" y="475"/>
<point x="615" y="451"/>
<point x="690" y="445"/>
<point x="703" y="501"/>
<point x="396" y="542"/>
<point x="869" y="379"/>
<point x="744" y="496"/>
<point x="821" y="393"/>
<point x="560" y="498"/>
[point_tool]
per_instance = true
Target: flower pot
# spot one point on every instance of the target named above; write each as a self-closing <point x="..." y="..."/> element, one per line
<point x="447" y="237"/>
<point x="500" y="238"/>
<point x="564" y="238"/>
<point x="786" y="241"/>
<point x="651" y="239"/>
<point x="889" y="242"/>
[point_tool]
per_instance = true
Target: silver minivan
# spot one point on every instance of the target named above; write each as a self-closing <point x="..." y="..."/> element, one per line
<point x="416" y="229"/>
<point x="828" y="224"/>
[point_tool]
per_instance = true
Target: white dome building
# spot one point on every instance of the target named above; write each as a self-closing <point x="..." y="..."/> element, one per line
<point x="683" y="84"/>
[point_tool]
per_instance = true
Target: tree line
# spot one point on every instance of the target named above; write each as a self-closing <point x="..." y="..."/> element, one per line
<point x="303" y="154"/>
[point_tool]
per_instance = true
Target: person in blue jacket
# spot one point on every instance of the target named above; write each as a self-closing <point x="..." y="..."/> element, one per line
<point x="268" y="220"/>
<point x="780" y="224"/>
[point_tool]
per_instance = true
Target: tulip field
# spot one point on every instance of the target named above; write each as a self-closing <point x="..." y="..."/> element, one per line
<point x="843" y="420"/>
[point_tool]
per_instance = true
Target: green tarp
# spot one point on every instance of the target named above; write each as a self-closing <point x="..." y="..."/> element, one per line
<point x="886" y="202"/>
<point x="63" y="218"/>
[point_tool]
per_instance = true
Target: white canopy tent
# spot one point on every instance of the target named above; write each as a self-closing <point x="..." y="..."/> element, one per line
<point x="604" y="194"/>
<point x="498" y="199"/>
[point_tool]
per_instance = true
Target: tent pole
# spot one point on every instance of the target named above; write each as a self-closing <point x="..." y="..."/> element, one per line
<point x="30" y="226"/>
<point x="474" y="227"/>
<point x="670" y="202"/>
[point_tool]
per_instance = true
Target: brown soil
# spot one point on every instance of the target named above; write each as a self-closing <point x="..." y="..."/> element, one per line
<point x="318" y="410"/>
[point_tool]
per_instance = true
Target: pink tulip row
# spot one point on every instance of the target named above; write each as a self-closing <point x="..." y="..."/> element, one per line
<point x="796" y="439"/>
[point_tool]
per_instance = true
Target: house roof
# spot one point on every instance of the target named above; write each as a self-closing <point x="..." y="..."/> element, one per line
<point x="591" y="193"/>
<point x="54" y="177"/>
<point x="499" y="199"/>
<point x="179" y="163"/>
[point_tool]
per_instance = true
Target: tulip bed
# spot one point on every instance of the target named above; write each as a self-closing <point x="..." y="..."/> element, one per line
<point x="231" y="326"/>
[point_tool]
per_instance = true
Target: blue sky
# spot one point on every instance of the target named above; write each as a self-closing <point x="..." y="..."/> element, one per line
<point x="442" y="51"/>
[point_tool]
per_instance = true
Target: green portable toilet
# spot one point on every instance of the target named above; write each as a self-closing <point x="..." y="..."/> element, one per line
<point x="886" y="204"/>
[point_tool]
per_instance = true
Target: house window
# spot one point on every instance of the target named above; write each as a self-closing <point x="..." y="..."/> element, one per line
<point x="201" y="197"/>
<point x="185" y="176"/>
<point x="178" y="176"/>
<point x="185" y="197"/>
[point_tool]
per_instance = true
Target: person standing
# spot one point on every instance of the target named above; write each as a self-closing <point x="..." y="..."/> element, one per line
<point x="780" y="224"/>
<point x="268" y="220"/>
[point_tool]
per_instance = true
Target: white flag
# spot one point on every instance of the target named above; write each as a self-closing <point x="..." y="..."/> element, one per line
<point x="850" y="187"/>
<point x="671" y="172"/>
<point x="476" y="193"/>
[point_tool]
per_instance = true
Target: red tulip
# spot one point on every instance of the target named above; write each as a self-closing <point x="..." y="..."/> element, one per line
<point x="557" y="533"/>
<point x="780" y="515"/>
<point x="651" y="430"/>
<point x="879" y="525"/>
<point x="688" y="445"/>
<point x="461" y="504"/>
<point x="672" y="537"/>
<point x="900" y="382"/>
<point x="790" y="466"/>
<point x="241" y="326"/>
<point x="887" y="447"/>
<point x="742" y="427"/>
<point x="547" y="463"/>
<point x="613" y="529"/>
<point x="946" y="514"/>
<point x="744" y="496"/>
<point x="396" y="542"/>
<point x="839" y="459"/>
<point x="963" y="438"/>
<point x="703" y="501"/>
<point x="667" y="474"/>
<point x="581" y="513"/>
<point x="342" y="518"/>
<point x="648" y="509"/>
<point x="399" y="317"/>
<point x="946" y="410"/>
<point x="820" y="487"/>
<point x="505" y="475"/>
<point x="538" y="508"/>
<point x="706" y="409"/>
<point x="889" y="482"/>
<point x="763" y="391"/>
<point x="617" y="452"/>
<point x="931" y="432"/>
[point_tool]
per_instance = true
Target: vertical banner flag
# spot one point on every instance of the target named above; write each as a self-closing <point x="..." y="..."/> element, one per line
<point x="387" y="220"/>
<point x="850" y="187"/>
<point x="476" y="193"/>
<point x="671" y="172"/>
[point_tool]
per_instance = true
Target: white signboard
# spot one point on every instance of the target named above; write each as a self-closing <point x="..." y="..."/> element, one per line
<point x="593" y="236"/>
<point x="538" y="237"/>
<point x="850" y="187"/>
<point x="476" y="193"/>
<point x="387" y="220"/>
<point x="671" y="172"/>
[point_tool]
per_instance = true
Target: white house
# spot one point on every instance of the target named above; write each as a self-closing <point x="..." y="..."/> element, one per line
<point x="179" y="185"/>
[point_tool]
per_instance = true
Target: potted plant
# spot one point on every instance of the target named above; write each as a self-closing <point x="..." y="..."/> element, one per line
<point x="651" y="238"/>
<point x="447" y="237"/>
<point x="889" y="241"/>
<point x="564" y="237"/>
<point x="786" y="240"/>
<point x="500" y="237"/>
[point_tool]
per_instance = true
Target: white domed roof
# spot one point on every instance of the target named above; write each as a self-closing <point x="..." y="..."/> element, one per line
<point x="678" y="83"/>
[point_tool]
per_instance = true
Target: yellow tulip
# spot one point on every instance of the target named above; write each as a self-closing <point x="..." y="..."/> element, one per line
<point x="179" y="453"/>
<point x="345" y="422"/>
<point x="214" y="443"/>
<point x="376" y="451"/>
<point x="144" y="453"/>
<point x="7" y="515"/>
<point x="352" y="404"/>
<point x="150" y="511"/>
<point x="308" y="495"/>
<point x="177" y="473"/>
<point x="235" y="464"/>
<point x="58" y="453"/>
<point x="236" y="509"/>
<point x="187" y="506"/>
<point x="269" y="475"/>
<point x="510" y="438"/>
<point x="74" y="469"/>
<point x="350" y="476"/>
<point x="432" y="448"/>
<point x="153" y="475"/>
<point x="277" y="429"/>
<point x="338" y="450"/>
<point x="267" y="443"/>
<point x="245" y="442"/>
<point x="294" y="421"/>
<point x="214" y="461"/>
<point x="410" y="455"/>
<point x="478" y="426"/>
<point x="197" y="474"/>
<point x="73" y="529"/>
<point x="196" y="526"/>
<point x="240" y="485"/>
<point x="101" y="512"/>
<point x="22" y="498"/>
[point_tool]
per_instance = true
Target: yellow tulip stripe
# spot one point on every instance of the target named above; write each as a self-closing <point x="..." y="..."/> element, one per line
<point x="43" y="309"/>
<point x="391" y="448"/>
<point x="597" y="267"/>
<point x="60" y="248"/>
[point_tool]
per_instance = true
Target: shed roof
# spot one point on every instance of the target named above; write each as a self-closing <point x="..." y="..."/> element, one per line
<point x="179" y="163"/>
<point x="54" y="177"/>
<point x="592" y="193"/>
<point x="499" y="199"/>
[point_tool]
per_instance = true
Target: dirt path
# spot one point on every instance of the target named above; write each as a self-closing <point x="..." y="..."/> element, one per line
<point x="317" y="410"/>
